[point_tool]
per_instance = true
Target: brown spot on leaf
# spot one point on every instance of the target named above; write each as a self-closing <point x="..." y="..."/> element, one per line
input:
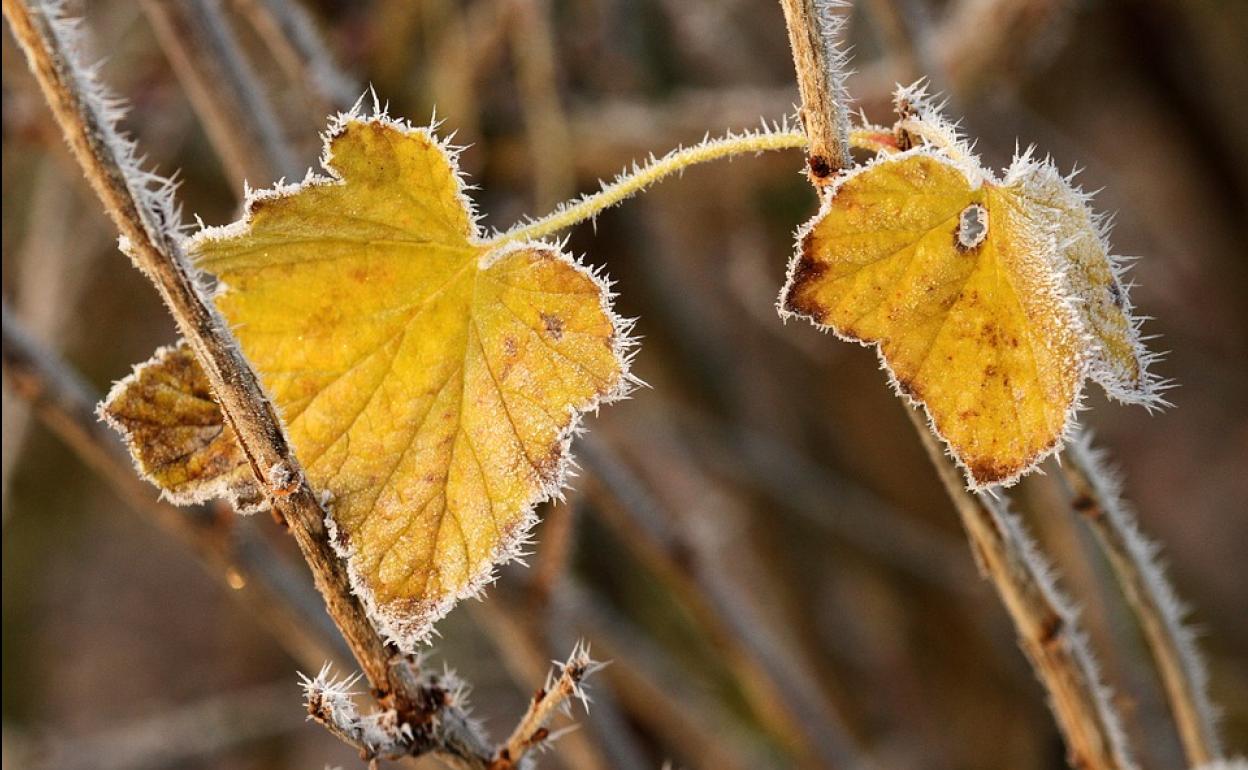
<point x="807" y="272"/>
<point x="986" y="470"/>
<point x="554" y="325"/>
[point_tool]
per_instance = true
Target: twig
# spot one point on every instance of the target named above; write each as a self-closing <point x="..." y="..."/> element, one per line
<point x="276" y="596"/>
<point x="813" y="29"/>
<point x="532" y="731"/>
<point x="223" y="88"/>
<point x="147" y="219"/>
<point x="1133" y="557"/>
<point x="1045" y="620"/>
<point x="783" y="698"/>
<point x="527" y="660"/>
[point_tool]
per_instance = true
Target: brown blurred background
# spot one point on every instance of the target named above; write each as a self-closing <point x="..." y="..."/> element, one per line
<point x="797" y="533"/>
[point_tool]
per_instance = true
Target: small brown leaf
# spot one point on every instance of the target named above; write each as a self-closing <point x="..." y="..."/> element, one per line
<point x="176" y="432"/>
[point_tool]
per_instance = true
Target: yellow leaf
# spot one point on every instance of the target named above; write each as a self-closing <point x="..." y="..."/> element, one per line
<point x="989" y="300"/>
<point x="175" y="431"/>
<point x="429" y="382"/>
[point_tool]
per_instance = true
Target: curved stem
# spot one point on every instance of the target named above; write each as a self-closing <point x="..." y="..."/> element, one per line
<point x="631" y="182"/>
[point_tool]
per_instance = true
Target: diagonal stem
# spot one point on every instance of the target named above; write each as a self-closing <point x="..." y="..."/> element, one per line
<point x="146" y="219"/>
<point x="1133" y="558"/>
<point x="1046" y="622"/>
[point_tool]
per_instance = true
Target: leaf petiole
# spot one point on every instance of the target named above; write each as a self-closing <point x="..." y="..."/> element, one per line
<point x="633" y="181"/>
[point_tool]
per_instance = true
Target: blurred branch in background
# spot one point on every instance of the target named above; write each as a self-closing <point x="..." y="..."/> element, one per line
<point x="294" y="41"/>
<point x="222" y="85"/>
<point x="781" y="690"/>
<point x="175" y="737"/>
<point x="228" y="547"/>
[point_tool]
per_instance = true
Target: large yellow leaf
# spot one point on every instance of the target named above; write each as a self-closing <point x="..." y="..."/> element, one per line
<point x="990" y="300"/>
<point x="430" y="383"/>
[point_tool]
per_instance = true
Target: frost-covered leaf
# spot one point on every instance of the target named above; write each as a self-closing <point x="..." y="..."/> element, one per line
<point x="175" y="431"/>
<point x="990" y="300"/>
<point x="430" y="382"/>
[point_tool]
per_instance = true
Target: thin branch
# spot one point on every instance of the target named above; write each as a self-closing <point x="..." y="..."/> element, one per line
<point x="224" y="89"/>
<point x="1045" y="620"/>
<point x="276" y="596"/>
<point x="141" y="206"/>
<point x="554" y="697"/>
<point x="813" y="29"/>
<point x="525" y="656"/>
<point x="1133" y="557"/>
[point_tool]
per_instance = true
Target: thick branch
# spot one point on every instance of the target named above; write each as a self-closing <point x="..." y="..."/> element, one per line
<point x="1045" y="621"/>
<point x="1156" y="604"/>
<point x="146" y="219"/>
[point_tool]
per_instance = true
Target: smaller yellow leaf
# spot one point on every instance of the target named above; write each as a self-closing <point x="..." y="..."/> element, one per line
<point x="989" y="299"/>
<point x="176" y="432"/>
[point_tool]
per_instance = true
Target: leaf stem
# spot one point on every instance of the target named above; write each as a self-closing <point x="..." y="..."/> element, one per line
<point x="629" y="183"/>
<point x="1133" y="558"/>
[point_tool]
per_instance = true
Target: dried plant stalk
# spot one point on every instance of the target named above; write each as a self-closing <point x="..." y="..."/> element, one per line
<point x="813" y="29"/>
<point x="142" y="208"/>
<point x="1046" y="622"/>
<point x="1133" y="558"/>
